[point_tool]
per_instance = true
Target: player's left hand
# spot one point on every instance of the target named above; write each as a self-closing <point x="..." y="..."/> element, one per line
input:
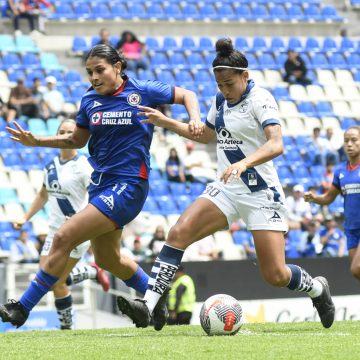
<point x="153" y="116"/>
<point x="196" y="128"/>
<point x="233" y="172"/>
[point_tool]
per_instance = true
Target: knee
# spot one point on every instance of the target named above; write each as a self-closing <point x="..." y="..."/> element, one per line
<point x="178" y="236"/>
<point x="62" y="240"/>
<point x="278" y="277"/>
<point x="355" y="270"/>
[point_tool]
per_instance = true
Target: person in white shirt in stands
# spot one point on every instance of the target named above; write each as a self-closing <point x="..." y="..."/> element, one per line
<point x="53" y="99"/>
<point x="23" y="250"/>
<point x="244" y="120"/>
<point x="299" y="214"/>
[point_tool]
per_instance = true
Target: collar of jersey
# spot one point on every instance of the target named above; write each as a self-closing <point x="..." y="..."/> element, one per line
<point x="63" y="162"/>
<point x="121" y="88"/>
<point x="249" y="86"/>
<point x="352" y="168"/>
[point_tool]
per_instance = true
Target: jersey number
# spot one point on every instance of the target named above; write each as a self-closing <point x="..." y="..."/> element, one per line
<point x="211" y="190"/>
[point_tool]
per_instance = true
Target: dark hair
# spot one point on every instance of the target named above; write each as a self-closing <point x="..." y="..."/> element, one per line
<point x="227" y="55"/>
<point x="176" y="157"/>
<point x="123" y="37"/>
<point x="107" y="52"/>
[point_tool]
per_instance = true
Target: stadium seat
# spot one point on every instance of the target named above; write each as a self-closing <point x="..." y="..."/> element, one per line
<point x="312" y="44"/>
<point x="167" y="205"/>
<point x="170" y="44"/>
<point x="152" y="43"/>
<point x="11" y="61"/>
<point x="183" y="202"/>
<point x="294" y="43"/>
<point x="37" y="126"/>
<point x="159" y="61"/>
<point x="100" y="11"/>
<point x="166" y="76"/>
<point x="281" y="93"/>
<point x="183" y="77"/>
<point x="82" y="11"/>
<point x="146" y="75"/>
<point x="208" y="12"/>
<point x="190" y="12"/>
<point x="226" y="11"/>
<point x="63" y="11"/>
<point x="337" y="61"/>
<point x="329" y="45"/>
<point x="285" y="175"/>
<point x="242" y="44"/>
<point x="118" y="10"/>
<point x="7" y="43"/>
<point x="277" y="44"/>
<point x="156" y="12"/>
<point x="136" y="11"/>
<point x="312" y="13"/>
<point x="178" y="61"/>
<point x="323" y="108"/>
<point x="196" y="189"/>
<point x="50" y="61"/>
<point x="173" y="12"/>
<point x="328" y="12"/>
<point x="260" y="13"/>
<point x="79" y="45"/>
<point x="8" y="195"/>
<point x="178" y="189"/>
<point x="205" y="44"/>
<point x="25" y="43"/>
<point x="159" y="187"/>
<point x="72" y="78"/>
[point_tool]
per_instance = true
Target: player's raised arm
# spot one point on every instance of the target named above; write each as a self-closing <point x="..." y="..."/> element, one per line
<point x="76" y="140"/>
<point x="157" y="118"/>
<point x="324" y="199"/>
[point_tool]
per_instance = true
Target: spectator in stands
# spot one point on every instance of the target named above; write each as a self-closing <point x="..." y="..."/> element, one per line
<point x="332" y="238"/>
<point x="310" y="245"/>
<point x="40" y="241"/>
<point x="320" y="148"/>
<point x="23" y="250"/>
<point x="3" y="108"/>
<point x="299" y="213"/>
<point x="158" y="240"/>
<point x="174" y="167"/>
<point x="249" y="248"/>
<point x="139" y="251"/>
<point x="134" y="51"/>
<point x="347" y="182"/>
<point x="203" y="250"/>
<point x="21" y="102"/>
<point x="182" y="298"/>
<point x="53" y="100"/>
<point x="295" y="69"/>
<point x="30" y="10"/>
<point x="336" y="149"/>
<point x="104" y="37"/>
<point x="197" y="165"/>
<point x="38" y="91"/>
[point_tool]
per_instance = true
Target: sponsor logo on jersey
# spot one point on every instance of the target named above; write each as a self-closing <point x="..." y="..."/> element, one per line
<point x="341" y="175"/>
<point x="243" y="107"/>
<point x="112" y="118"/>
<point x="96" y="104"/>
<point x="225" y="140"/>
<point x="276" y="217"/>
<point x="351" y="189"/>
<point x="134" y="99"/>
<point x="164" y="277"/>
<point x="108" y="200"/>
<point x="55" y="185"/>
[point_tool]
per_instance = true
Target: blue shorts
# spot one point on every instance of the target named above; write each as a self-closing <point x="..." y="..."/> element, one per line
<point x="352" y="238"/>
<point x="120" y="199"/>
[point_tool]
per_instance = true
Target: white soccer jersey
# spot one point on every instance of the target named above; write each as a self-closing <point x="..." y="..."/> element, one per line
<point x="66" y="184"/>
<point x="240" y="132"/>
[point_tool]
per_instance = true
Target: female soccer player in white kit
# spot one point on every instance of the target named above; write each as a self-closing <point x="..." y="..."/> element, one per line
<point x="66" y="179"/>
<point x="245" y="120"/>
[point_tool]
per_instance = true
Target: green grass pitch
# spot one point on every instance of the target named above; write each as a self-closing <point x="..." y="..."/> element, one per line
<point x="254" y="341"/>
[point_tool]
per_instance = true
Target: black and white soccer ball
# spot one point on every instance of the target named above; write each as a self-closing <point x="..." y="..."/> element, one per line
<point x="221" y="315"/>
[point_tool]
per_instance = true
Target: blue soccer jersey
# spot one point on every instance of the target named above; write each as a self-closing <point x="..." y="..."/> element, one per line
<point x="347" y="180"/>
<point x="119" y="142"/>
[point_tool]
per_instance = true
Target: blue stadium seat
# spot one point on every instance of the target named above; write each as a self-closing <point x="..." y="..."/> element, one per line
<point x="11" y="61"/>
<point x="31" y="160"/>
<point x="11" y="160"/>
<point x="278" y="12"/>
<point x="242" y="44"/>
<point x="337" y="61"/>
<point x="188" y="43"/>
<point x="307" y="108"/>
<point x="166" y="76"/>
<point x="337" y="206"/>
<point x="294" y="43"/>
<point x="155" y="174"/>
<point x="173" y="11"/>
<point x="183" y="77"/>
<point x="72" y="78"/>
<point x="62" y="11"/>
<point x="312" y="13"/>
<point x="253" y="62"/>
<point x="353" y="61"/>
<point x="288" y="140"/>
<point x="178" y="112"/>
<point x="277" y="44"/>
<point x="82" y="11"/>
<point x="35" y="74"/>
<point x="260" y="12"/>
<point x="295" y="13"/>
<point x="190" y="11"/>
<point x="317" y="173"/>
<point x="195" y="61"/>
<point x="79" y="44"/>
<point x="37" y="126"/>
<point x="357" y="76"/>
<point x="243" y="12"/>
<point x="208" y="11"/>
<point x="196" y="189"/>
<point x="208" y="92"/>
<point x="158" y="61"/>
<point x="329" y="45"/>
<point x="280" y="60"/>
<point x="266" y="61"/>
<point x="177" y="61"/>
<point x="178" y="189"/>
<point x="152" y="44"/>
<point x="58" y="74"/>
<point x="241" y="237"/>
<point x="328" y="12"/>
<point x="259" y="44"/>
<point x="136" y="10"/>
<point x="312" y="44"/>
<point x="293" y="158"/>
<point x="347" y="44"/>
<point x="302" y="175"/>
<point x="77" y="92"/>
<point x="347" y="122"/>
<point x="319" y="61"/>
<point x="183" y="202"/>
<point x="159" y="187"/>
<point x="7" y="43"/>
<point x="302" y="141"/>
<point x="156" y="12"/>
<point x="25" y="43"/>
<point x="30" y="61"/>
<point x="146" y="75"/>
<point x="324" y="108"/>
<point x="5" y="142"/>
<point x="281" y="93"/>
<point x="50" y="61"/>
<point x="118" y="10"/>
<point x="151" y="206"/>
<point x="167" y="205"/>
<point x="285" y="175"/>
<point x="226" y="11"/>
<point x="100" y="11"/>
<point x="203" y="77"/>
<point x="5" y="227"/>
<point x="170" y="44"/>
<point x="205" y="44"/>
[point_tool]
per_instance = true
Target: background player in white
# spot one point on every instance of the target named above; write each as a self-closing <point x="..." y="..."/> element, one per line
<point x="244" y="119"/>
<point x="66" y="179"/>
<point x="347" y="182"/>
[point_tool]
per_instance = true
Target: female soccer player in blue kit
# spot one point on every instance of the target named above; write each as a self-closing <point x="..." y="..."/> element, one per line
<point x="245" y="121"/>
<point x="119" y="153"/>
<point x="347" y="182"/>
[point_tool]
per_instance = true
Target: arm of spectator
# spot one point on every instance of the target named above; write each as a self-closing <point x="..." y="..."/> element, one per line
<point x="341" y="246"/>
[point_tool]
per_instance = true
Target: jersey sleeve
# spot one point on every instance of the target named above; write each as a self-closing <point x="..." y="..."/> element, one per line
<point x="210" y="119"/>
<point x="82" y="120"/>
<point x="160" y="93"/>
<point x="336" y="178"/>
<point x="266" y="110"/>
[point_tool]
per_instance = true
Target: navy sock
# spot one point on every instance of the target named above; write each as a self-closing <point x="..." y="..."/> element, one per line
<point x="162" y="274"/>
<point x="37" y="289"/>
<point x="139" y="281"/>
<point x="300" y="279"/>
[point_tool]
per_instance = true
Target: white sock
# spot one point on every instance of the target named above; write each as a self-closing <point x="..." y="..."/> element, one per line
<point x="316" y="288"/>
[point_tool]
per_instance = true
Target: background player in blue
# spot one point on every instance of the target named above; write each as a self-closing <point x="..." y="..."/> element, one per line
<point x="244" y="120"/>
<point x="119" y="153"/>
<point x="347" y="182"/>
<point x="66" y="179"/>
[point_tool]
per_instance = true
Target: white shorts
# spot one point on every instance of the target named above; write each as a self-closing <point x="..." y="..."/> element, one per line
<point x="77" y="253"/>
<point x="260" y="210"/>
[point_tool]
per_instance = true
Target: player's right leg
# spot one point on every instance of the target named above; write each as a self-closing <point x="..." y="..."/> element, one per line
<point x="353" y="239"/>
<point x="201" y="219"/>
<point x="88" y="223"/>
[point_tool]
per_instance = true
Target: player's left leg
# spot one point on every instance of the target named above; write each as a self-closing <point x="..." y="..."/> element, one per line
<point x="353" y="240"/>
<point x="270" y="250"/>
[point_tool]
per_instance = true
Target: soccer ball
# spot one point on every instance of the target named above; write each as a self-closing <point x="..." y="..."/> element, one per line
<point x="221" y="315"/>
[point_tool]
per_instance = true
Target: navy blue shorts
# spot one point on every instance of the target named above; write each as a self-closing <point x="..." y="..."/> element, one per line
<point x="352" y="238"/>
<point x="120" y="199"/>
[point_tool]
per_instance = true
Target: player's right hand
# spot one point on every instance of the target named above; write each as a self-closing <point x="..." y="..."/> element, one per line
<point x="21" y="136"/>
<point x="18" y="224"/>
<point x="309" y="196"/>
